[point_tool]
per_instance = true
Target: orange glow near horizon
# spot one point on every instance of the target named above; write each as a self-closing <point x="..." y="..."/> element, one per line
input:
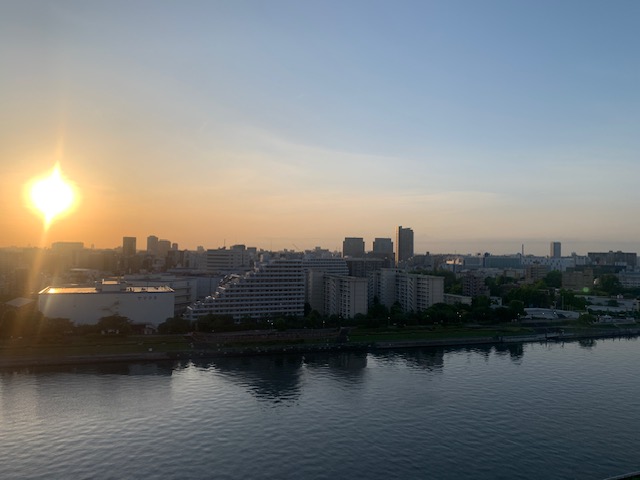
<point x="52" y="196"/>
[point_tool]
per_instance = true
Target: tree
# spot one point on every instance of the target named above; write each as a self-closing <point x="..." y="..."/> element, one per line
<point x="212" y="322"/>
<point x="530" y="296"/>
<point x="175" y="325"/>
<point x="569" y="300"/>
<point x="442" y="313"/>
<point x="517" y="308"/>
<point x="58" y="326"/>
<point x="553" y="279"/>
<point x="481" y="309"/>
<point x="377" y="310"/>
<point x="610" y="284"/>
<point x="452" y="284"/>
<point x="115" y="324"/>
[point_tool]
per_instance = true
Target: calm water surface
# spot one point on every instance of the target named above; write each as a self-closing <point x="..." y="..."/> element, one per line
<point x="529" y="411"/>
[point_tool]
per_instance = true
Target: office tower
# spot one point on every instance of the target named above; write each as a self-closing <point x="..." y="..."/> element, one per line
<point x="353" y="247"/>
<point x="128" y="246"/>
<point x="152" y="245"/>
<point x="227" y="260"/>
<point x="404" y="244"/>
<point x="555" y="250"/>
<point x="383" y="245"/>
<point x="163" y="248"/>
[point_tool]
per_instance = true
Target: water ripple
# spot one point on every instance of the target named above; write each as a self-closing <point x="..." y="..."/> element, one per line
<point x="532" y="411"/>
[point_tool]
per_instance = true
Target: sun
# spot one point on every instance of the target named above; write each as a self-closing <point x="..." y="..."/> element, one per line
<point x="52" y="196"/>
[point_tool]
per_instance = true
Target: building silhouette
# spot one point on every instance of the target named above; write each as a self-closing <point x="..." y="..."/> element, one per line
<point x="152" y="245"/>
<point x="413" y="291"/>
<point x="128" y="246"/>
<point x="383" y="245"/>
<point x="353" y="247"/>
<point x="404" y="244"/>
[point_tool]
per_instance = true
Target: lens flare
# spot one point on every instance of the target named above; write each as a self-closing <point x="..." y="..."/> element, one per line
<point x="52" y="195"/>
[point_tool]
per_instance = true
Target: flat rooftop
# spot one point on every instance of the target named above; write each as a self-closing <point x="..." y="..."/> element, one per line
<point x="94" y="290"/>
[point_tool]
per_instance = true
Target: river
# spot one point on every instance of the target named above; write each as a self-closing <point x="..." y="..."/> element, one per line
<point x="529" y="411"/>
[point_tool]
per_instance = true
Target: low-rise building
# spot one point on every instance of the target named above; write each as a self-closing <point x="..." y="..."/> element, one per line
<point x="87" y="305"/>
<point x="185" y="288"/>
<point x="473" y="285"/>
<point x="577" y="280"/>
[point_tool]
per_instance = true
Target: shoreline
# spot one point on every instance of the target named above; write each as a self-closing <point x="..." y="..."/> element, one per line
<point x="367" y="347"/>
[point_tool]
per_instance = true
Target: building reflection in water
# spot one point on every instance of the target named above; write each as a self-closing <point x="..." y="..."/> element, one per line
<point x="269" y="377"/>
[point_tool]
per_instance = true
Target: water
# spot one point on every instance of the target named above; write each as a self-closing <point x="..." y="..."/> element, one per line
<point x="528" y="411"/>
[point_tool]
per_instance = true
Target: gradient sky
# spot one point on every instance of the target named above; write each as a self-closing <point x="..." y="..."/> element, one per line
<point x="483" y="125"/>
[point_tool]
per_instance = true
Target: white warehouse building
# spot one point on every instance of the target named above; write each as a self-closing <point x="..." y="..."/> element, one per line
<point x="150" y="305"/>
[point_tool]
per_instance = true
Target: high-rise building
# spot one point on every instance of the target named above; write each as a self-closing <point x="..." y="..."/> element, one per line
<point x="128" y="246"/>
<point x="226" y="260"/>
<point x="404" y="244"/>
<point x="152" y="245"/>
<point x="555" y="250"/>
<point x="274" y="288"/>
<point x="383" y="245"/>
<point x="353" y="247"/>
<point x="163" y="248"/>
<point x="345" y="296"/>
<point x="413" y="291"/>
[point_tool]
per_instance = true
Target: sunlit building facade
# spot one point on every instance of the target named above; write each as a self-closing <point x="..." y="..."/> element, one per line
<point x="274" y="288"/>
<point x="150" y="305"/>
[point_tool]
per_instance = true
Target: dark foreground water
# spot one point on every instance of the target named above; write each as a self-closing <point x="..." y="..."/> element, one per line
<point x="537" y="411"/>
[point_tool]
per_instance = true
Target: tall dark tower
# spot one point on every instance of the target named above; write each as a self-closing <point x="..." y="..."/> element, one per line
<point x="128" y="253"/>
<point x="353" y="247"/>
<point x="404" y="244"/>
<point x="152" y="245"/>
<point x="128" y="246"/>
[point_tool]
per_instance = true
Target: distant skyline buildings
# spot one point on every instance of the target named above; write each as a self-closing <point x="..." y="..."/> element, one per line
<point x="357" y="245"/>
<point x="537" y="248"/>
<point x="353" y="247"/>
<point x="383" y="245"/>
<point x="404" y="244"/>
<point x="128" y="246"/>
<point x="152" y="245"/>
<point x="464" y="187"/>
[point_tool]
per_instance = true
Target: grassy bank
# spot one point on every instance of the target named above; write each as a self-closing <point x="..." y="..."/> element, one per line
<point x="91" y="345"/>
<point x="85" y="349"/>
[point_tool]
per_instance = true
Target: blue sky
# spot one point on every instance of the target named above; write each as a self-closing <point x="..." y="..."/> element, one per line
<point x="483" y="125"/>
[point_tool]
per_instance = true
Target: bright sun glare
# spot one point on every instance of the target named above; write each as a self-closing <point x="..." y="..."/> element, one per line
<point x="52" y="195"/>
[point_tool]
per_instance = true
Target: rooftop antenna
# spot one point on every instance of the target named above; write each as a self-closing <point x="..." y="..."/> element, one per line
<point x="523" y="249"/>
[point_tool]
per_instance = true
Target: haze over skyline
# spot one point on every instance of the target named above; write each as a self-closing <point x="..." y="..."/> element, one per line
<point x="481" y="125"/>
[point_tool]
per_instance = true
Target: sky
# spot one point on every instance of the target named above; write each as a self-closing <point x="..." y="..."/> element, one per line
<point x="482" y="125"/>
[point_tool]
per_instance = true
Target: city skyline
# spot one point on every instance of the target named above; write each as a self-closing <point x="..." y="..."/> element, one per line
<point x="288" y="125"/>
